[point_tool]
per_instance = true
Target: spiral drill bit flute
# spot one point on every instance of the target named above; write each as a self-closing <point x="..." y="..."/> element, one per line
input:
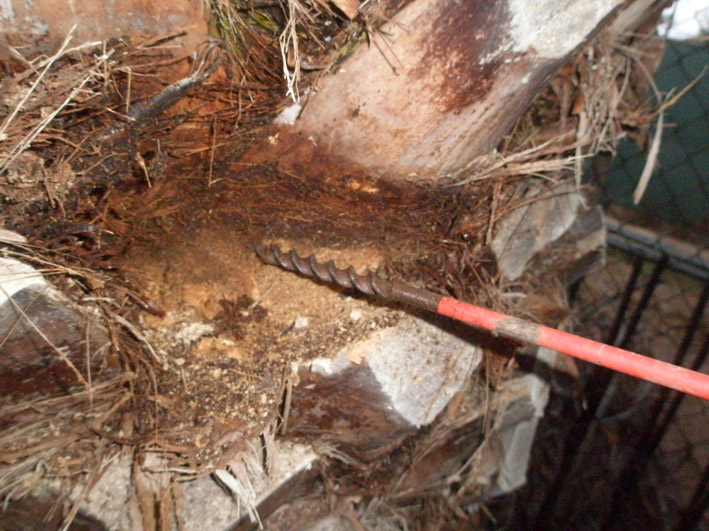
<point x="659" y="372"/>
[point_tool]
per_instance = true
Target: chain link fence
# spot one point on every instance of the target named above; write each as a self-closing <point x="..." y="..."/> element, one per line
<point x="678" y="191"/>
<point x="614" y="452"/>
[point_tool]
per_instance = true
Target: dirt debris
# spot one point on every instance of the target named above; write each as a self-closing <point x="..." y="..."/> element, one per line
<point x="227" y="340"/>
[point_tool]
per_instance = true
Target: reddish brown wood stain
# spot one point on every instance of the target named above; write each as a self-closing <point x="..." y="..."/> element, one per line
<point x="348" y="408"/>
<point x="465" y="50"/>
<point x="29" y="365"/>
<point x="441" y="87"/>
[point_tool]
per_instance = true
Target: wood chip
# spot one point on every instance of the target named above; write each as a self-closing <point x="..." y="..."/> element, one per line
<point x="7" y="236"/>
<point x="348" y="7"/>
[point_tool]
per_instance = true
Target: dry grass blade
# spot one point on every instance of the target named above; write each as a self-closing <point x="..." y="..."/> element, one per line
<point x="25" y="143"/>
<point x="94" y="476"/>
<point x="672" y="99"/>
<point x="37" y="128"/>
<point x="546" y="158"/>
<point x="34" y="85"/>
<point x="289" y="44"/>
<point x="136" y="332"/>
<point x="664" y="104"/>
<point x="237" y="479"/>
<point x="67" y="401"/>
<point x="651" y="161"/>
<point x="41" y="430"/>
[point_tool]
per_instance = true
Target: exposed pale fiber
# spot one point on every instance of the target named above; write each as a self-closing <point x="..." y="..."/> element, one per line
<point x="555" y="28"/>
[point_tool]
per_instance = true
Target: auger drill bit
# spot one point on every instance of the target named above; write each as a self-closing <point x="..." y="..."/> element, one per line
<point x="659" y="372"/>
<point x="370" y="284"/>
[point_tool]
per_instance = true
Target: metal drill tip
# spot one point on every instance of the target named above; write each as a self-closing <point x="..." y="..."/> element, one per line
<point x="310" y="267"/>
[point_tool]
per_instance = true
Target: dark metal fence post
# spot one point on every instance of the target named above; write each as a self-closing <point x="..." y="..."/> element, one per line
<point x="661" y="414"/>
<point x="579" y="432"/>
<point x="700" y="499"/>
